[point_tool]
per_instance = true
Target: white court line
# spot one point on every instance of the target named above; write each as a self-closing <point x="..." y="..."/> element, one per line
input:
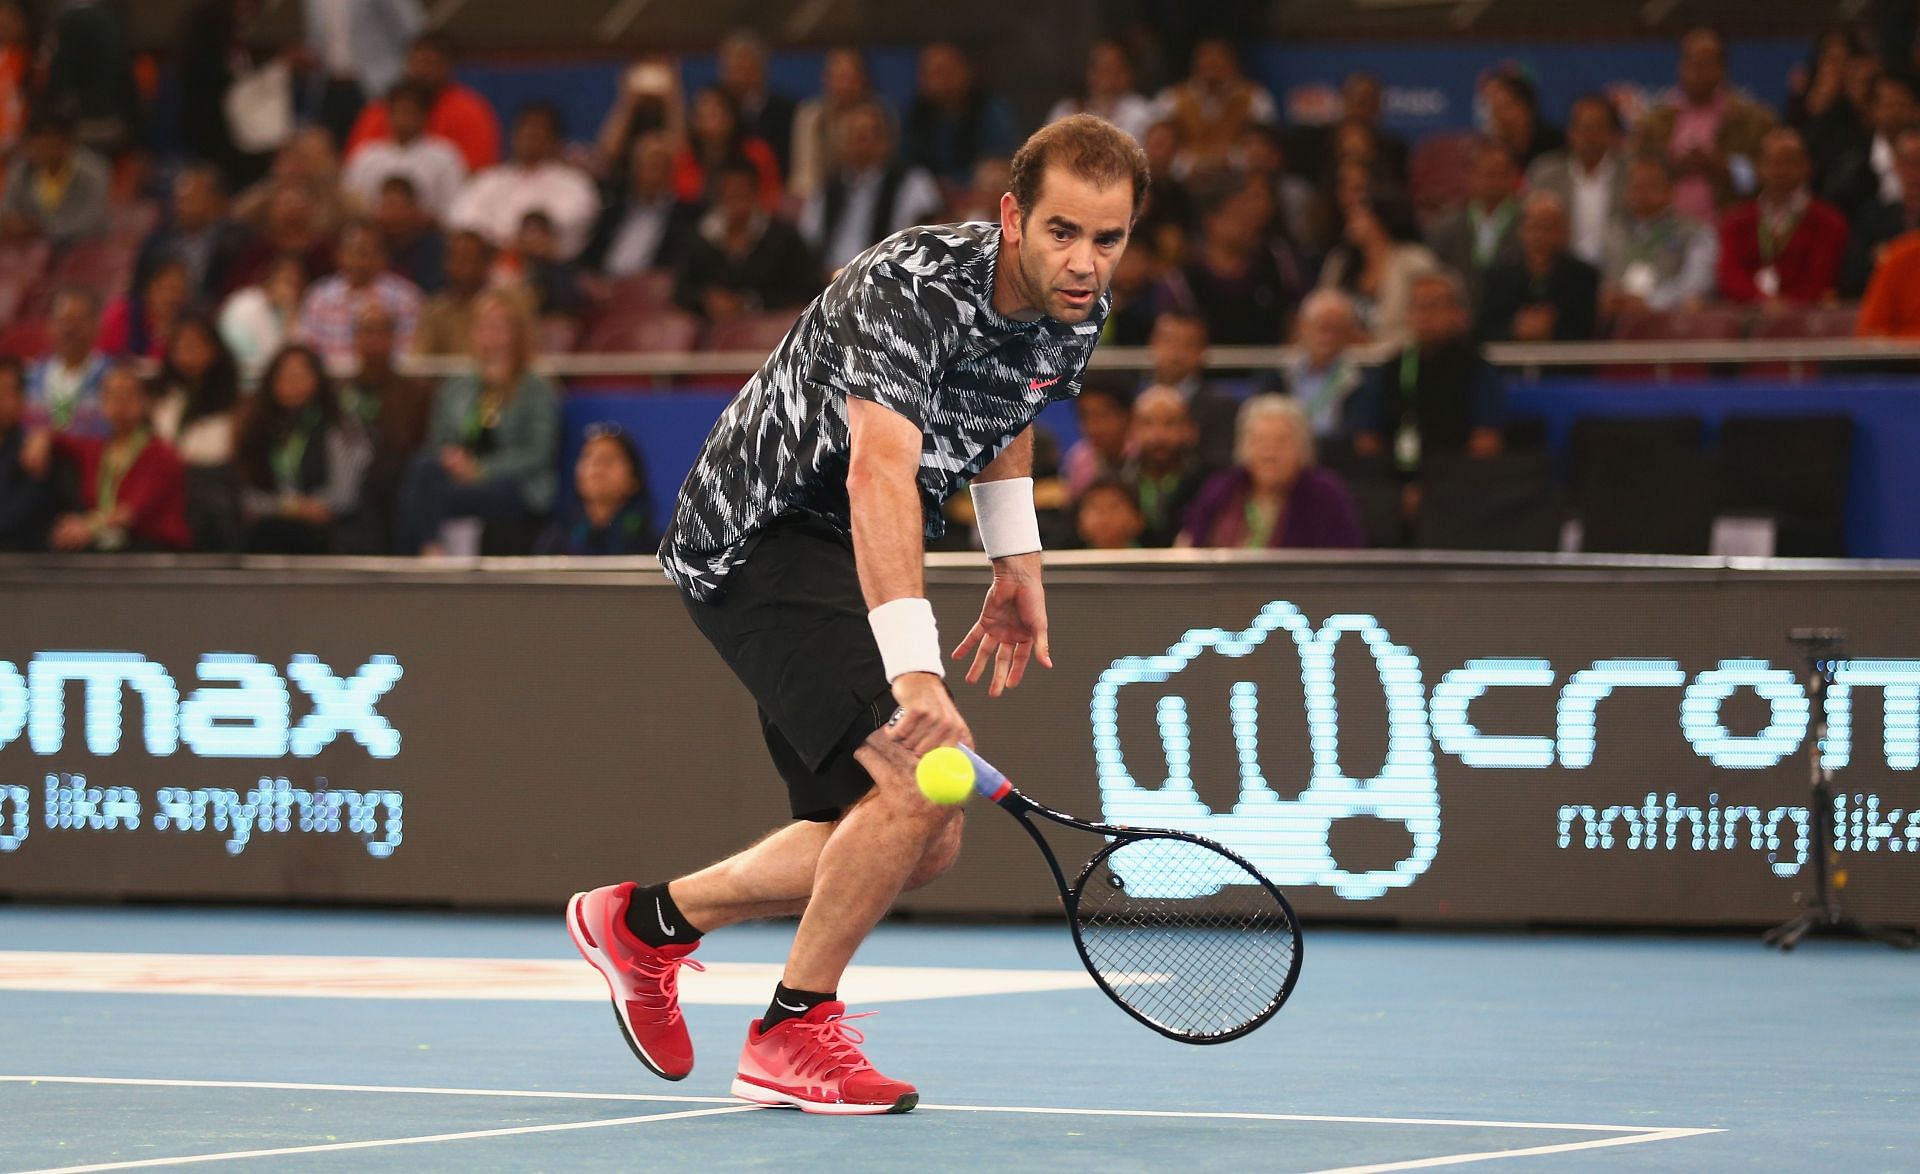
<point x="532" y="1094"/>
<point x="332" y="1147"/>
<point x="1530" y="1151"/>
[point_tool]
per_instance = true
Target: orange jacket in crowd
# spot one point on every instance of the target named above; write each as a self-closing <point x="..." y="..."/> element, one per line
<point x="1891" y="308"/>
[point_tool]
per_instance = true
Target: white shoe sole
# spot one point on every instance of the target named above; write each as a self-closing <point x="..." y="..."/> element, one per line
<point x="598" y="959"/>
<point x="773" y="1098"/>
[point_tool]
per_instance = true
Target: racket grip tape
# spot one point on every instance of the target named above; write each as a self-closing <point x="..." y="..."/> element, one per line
<point x="987" y="778"/>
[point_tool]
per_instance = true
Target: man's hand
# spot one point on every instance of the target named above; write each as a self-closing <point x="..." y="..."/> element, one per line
<point x="927" y="714"/>
<point x="459" y="464"/>
<point x="71" y="533"/>
<point x="1012" y="627"/>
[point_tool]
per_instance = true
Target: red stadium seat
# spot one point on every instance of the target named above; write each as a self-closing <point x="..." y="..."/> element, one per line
<point x="754" y="332"/>
<point x="28" y="338"/>
<point x="1710" y="323"/>
<point x="653" y="331"/>
<point x="558" y="336"/>
<point x="104" y="265"/>
<point x="652" y="290"/>
<point x="132" y="222"/>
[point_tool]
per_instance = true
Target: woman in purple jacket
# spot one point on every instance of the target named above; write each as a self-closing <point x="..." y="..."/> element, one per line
<point x="1274" y="497"/>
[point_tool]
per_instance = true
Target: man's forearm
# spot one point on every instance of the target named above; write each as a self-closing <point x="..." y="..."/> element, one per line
<point x="1015" y="460"/>
<point x="888" y="547"/>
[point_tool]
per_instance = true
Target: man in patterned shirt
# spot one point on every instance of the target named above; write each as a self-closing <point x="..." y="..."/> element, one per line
<point x="797" y="544"/>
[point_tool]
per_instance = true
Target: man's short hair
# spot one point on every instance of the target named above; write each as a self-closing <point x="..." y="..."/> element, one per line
<point x="1110" y="386"/>
<point x="543" y="109"/>
<point x="1088" y="147"/>
<point x="410" y="91"/>
<point x="403" y="184"/>
<point x="1110" y="484"/>
<point x="1596" y="98"/>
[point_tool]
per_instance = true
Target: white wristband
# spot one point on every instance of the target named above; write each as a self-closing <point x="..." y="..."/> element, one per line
<point x="908" y="638"/>
<point x="1003" y="511"/>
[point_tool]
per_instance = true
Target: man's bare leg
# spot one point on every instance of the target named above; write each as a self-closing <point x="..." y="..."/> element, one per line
<point x="887" y="839"/>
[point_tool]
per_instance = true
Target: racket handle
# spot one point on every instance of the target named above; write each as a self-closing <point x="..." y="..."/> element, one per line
<point x="987" y="779"/>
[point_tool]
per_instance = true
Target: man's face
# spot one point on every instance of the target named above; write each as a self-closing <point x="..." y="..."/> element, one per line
<point x="1213" y="63"/>
<point x="1893" y="107"/>
<point x="1108" y="72"/>
<point x="1163" y="431"/>
<point x="533" y="140"/>
<point x="1493" y="177"/>
<point x="466" y="263"/>
<point x="1647" y="190"/>
<point x="397" y="212"/>
<point x="863" y="140"/>
<point x="1590" y="132"/>
<point x="652" y="164"/>
<point x="407" y="117"/>
<point x="737" y="196"/>
<point x="373" y="337"/>
<point x="1509" y="114"/>
<point x="1179" y="347"/>
<point x="1069" y="242"/>
<point x="123" y="404"/>
<point x="1109" y="519"/>
<point x="362" y="256"/>
<point x="1326" y="329"/>
<point x="1433" y="313"/>
<point x="428" y="66"/>
<point x="73" y="323"/>
<point x="196" y="201"/>
<point x="1360" y="98"/>
<point x="742" y="70"/>
<point x="944" y="74"/>
<point x="1783" y="165"/>
<point x="1543" y="228"/>
<point x="1703" y="66"/>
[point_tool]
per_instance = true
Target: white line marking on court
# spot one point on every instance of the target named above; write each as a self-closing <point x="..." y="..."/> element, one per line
<point x="535" y="1094"/>
<point x="1530" y="1151"/>
<point x="332" y="1147"/>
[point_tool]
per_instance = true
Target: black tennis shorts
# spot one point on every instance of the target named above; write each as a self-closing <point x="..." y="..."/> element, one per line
<point x="792" y="625"/>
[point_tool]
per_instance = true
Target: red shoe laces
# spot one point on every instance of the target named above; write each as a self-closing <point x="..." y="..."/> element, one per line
<point x="665" y="971"/>
<point x="831" y="1046"/>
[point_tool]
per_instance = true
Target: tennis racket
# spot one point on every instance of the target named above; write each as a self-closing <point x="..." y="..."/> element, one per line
<point x="1183" y="934"/>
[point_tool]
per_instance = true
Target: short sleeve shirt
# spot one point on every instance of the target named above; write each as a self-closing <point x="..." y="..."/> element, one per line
<point x="909" y="325"/>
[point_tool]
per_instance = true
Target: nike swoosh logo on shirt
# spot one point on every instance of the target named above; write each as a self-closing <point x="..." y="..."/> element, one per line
<point x="1038" y="384"/>
<point x="660" y="912"/>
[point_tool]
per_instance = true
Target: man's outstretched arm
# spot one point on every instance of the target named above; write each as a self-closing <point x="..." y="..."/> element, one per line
<point x="1012" y="628"/>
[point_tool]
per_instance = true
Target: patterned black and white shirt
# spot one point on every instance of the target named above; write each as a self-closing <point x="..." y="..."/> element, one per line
<point x="909" y="324"/>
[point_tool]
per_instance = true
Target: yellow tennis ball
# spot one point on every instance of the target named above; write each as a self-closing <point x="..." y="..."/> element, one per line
<point x="945" y="775"/>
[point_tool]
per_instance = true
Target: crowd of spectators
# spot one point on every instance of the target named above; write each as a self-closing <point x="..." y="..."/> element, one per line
<point x="208" y="349"/>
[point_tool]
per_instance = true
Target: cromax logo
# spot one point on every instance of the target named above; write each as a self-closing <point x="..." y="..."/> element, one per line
<point x="242" y="709"/>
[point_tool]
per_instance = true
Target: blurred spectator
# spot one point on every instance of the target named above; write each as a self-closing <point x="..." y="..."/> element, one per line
<point x="1107" y="517"/>
<point x="716" y="138"/>
<point x="844" y="85"/>
<point x="1375" y="263"/>
<point x="360" y="47"/>
<point x="416" y="249"/>
<point x="197" y="232"/>
<point x="648" y="101"/>
<point x="16" y="66"/>
<point x="1274" y="497"/>
<point x="1708" y="130"/>
<point x="1300" y="214"/>
<point x="953" y="120"/>
<point x="302" y="460"/>
<point x="392" y="410"/>
<point x="1551" y="295"/>
<point x="764" y="113"/>
<point x="309" y="161"/>
<point x="196" y="398"/>
<point x="1587" y="174"/>
<point x="537" y="265"/>
<point x="90" y="77"/>
<point x="214" y="50"/>
<point x="138" y="323"/>
<point x="1108" y="91"/>
<point x="1105" y="411"/>
<point x="56" y="189"/>
<point x="1833" y="108"/>
<point x="643" y="225"/>
<point x="1882" y="221"/>
<point x="992" y="178"/>
<point x="1179" y="353"/>
<point x="493" y="438"/>
<point x="744" y="260"/>
<point x="332" y="305"/>
<point x="24" y="496"/>
<point x="1870" y="174"/>
<point x="613" y="514"/>
<point x="1363" y="104"/>
<point x="455" y="113"/>
<point x="446" y="321"/>
<point x="292" y="229"/>
<point x="494" y="202"/>
<point x="1165" y="222"/>
<point x="1134" y="295"/>
<point x="1232" y="279"/>
<point x="1213" y="107"/>
<point x="1438" y="395"/>
<point x="1655" y="259"/>
<point x="63" y="389"/>
<point x="1891" y="308"/>
<point x="1785" y="245"/>
<point x="1322" y="374"/>
<point x="132" y="488"/>
<point x="1164" y="470"/>
<point x="435" y="166"/>
<point x="1482" y="234"/>
<point x="259" y="319"/>
<point x="868" y="195"/>
<point x="1513" y="117"/>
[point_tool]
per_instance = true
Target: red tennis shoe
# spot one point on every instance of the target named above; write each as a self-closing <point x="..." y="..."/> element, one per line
<point x="644" y="981"/>
<point x="814" y="1064"/>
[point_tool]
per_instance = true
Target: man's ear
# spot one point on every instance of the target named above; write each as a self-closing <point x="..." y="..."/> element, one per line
<point x="1011" y="218"/>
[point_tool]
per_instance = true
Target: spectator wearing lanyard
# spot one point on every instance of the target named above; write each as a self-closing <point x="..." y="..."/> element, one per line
<point x="1655" y="258"/>
<point x="133" y="489"/>
<point x="493" y="438"/>
<point x="1481" y="235"/>
<point x="1164" y="471"/>
<point x="302" y="460"/>
<point x="1785" y="245"/>
<point x="63" y="389"/>
<point x="614" y="513"/>
<point x="392" y="409"/>
<point x="1321" y="375"/>
<point x="1551" y="295"/>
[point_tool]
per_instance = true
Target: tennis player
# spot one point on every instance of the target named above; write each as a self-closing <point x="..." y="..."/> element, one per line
<point x="797" y="543"/>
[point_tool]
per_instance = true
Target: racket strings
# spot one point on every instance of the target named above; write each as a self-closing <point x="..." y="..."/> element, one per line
<point x="1186" y="936"/>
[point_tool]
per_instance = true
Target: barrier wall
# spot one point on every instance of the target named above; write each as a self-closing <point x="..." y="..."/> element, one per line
<point x="1430" y="741"/>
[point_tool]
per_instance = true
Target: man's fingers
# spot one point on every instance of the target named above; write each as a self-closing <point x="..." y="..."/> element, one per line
<point x="1002" y="658"/>
<point x="966" y="645"/>
<point x="980" y="659"/>
<point x="1040" y="648"/>
<point x="1021" y="654"/>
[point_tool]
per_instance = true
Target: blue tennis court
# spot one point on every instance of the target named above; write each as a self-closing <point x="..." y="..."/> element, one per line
<point x="138" y="1038"/>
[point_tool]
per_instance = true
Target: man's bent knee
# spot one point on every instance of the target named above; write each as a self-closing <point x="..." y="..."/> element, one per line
<point x="942" y="853"/>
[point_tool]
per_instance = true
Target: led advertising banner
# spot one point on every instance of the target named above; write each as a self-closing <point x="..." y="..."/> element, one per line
<point x="1570" y="743"/>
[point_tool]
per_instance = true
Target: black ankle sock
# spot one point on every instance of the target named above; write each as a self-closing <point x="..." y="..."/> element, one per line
<point x="656" y="920"/>
<point x="791" y="1004"/>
